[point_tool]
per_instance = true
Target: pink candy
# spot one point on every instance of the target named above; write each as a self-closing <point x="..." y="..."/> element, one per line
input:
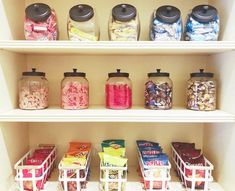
<point x="118" y="96"/>
<point x="41" y="30"/>
<point x="74" y="95"/>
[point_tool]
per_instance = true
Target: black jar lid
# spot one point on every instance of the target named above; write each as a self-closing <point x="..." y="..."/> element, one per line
<point x="202" y="74"/>
<point x="158" y="74"/>
<point x="118" y="74"/>
<point x="38" y="12"/>
<point x="34" y="73"/>
<point x="204" y="13"/>
<point x="74" y="74"/>
<point x="168" y="14"/>
<point x="124" y="12"/>
<point x="81" y="12"/>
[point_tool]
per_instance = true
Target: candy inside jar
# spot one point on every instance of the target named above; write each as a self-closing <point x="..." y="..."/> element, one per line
<point x="118" y="91"/>
<point x="201" y="92"/>
<point x="74" y="90"/>
<point x="40" y="23"/>
<point x="33" y="90"/>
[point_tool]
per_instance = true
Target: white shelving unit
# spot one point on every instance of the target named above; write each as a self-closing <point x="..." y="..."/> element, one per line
<point x="21" y="130"/>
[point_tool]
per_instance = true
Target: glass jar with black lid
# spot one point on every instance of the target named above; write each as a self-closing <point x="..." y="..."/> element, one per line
<point x="158" y="91"/>
<point x="83" y="24"/>
<point x="74" y="90"/>
<point x="118" y="90"/>
<point x="33" y="90"/>
<point x="201" y="91"/>
<point x="166" y="24"/>
<point x="124" y="23"/>
<point x="40" y="22"/>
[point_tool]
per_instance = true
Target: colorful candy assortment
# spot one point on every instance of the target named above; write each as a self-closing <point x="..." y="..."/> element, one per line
<point x="151" y="155"/>
<point x="74" y="166"/>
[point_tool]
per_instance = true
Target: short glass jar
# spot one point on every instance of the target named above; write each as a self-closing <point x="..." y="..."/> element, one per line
<point x="40" y="23"/>
<point x="33" y="90"/>
<point x="202" y="24"/>
<point x="124" y="24"/>
<point x="201" y="91"/>
<point x="74" y="91"/>
<point x="158" y="91"/>
<point x="166" y="24"/>
<point x="83" y="24"/>
<point x="118" y="91"/>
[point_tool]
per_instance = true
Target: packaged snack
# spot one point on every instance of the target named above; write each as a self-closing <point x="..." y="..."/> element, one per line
<point x="143" y="143"/>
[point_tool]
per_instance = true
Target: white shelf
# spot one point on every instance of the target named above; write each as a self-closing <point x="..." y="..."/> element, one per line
<point x="100" y="114"/>
<point x="117" y="48"/>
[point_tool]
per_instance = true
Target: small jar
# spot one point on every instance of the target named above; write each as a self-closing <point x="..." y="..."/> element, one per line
<point x="74" y="91"/>
<point x="124" y="23"/>
<point x="166" y="24"/>
<point x="40" y="22"/>
<point x="82" y="24"/>
<point x="118" y="91"/>
<point x="202" y="24"/>
<point x="201" y="91"/>
<point x="158" y="91"/>
<point x="33" y="90"/>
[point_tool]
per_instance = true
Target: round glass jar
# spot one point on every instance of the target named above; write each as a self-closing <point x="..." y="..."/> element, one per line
<point x="202" y="24"/>
<point x="74" y="91"/>
<point x="33" y="90"/>
<point x="158" y="91"/>
<point x="118" y="91"/>
<point x="201" y="91"/>
<point x="124" y="23"/>
<point x="40" y="22"/>
<point x="83" y="24"/>
<point x="166" y="24"/>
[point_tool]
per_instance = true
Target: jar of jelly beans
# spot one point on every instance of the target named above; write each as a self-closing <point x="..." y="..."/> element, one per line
<point x="74" y="91"/>
<point x="118" y="90"/>
<point x="158" y="91"/>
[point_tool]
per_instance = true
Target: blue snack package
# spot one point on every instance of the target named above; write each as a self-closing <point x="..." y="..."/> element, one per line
<point x="144" y="143"/>
<point x="154" y="150"/>
<point x="155" y="160"/>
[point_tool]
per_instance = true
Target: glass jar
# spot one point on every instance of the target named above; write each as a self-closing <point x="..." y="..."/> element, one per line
<point x="202" y="24"/>
<point x="124" y="23"/>
<point x="201" y="91"/>
<point x="33" y="90"/>
<point x="118" y="91"/>
<point x="40" y="22"/>
<point x="166" y="24"/>
<point x="158" y="91"/>
<point x="83" y="24"/>
<point x="74" y="91"/>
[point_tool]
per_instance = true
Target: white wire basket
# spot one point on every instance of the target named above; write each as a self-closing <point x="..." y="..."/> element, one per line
<point x="113" y="178"/>
<point x="74" y="177"/>
<point x="154" y="177"/>
<point x="33" y="177"/>
<point x="189" y="174"/>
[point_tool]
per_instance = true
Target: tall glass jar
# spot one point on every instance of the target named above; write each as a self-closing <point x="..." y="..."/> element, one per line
<point x="33" y="90"/>
<point x="202" y="24"/>
<point x="83" y="24"/>
<point x="40" y="22"/>
<point x="166" y="24"/>
<point x="118" y="90"/>
<point x="74" y="91"/>
<point x="124" y="23"/>
<point x="158" y="91"/>
<point x="201" y="91"/>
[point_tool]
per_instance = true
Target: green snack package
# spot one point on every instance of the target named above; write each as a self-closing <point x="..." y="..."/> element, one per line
<point x="109" y="160"/>
<point x="120" y="152"/>
<point x="118" y="143"/>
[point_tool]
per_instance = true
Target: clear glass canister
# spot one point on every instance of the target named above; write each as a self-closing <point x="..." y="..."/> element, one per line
<point x="158" y="91"/>
<point x="33" y="90"/>
<point x="74" y="91"/>
<point x="202" y="24"/>
<point x="124" y="23"/>
<point x="118" y="91"/>
<point x="166" y="24"/>
<point x="201" y="91"/>
<point x="40" y="22"/>
<point x="83" y="24"/>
